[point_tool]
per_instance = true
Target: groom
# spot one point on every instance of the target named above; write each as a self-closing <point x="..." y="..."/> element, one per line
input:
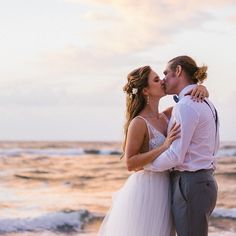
<point x="191" y="158"/>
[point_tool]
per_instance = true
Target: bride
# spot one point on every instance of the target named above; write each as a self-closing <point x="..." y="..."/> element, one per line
<point x="142" y="207"/>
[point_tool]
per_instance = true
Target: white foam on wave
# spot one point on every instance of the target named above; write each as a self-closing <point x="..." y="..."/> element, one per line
<point x="52" y="152"/>
<point x="55" y="221"/>
<point x="55" y="152"/>
<point x="224" y="233"/>
<point x="45" y="152"/>
<point x="72" y="221"/>
<point x="105" y="151"/>
<point x="108" y="152"/>
<point x="224" y="213"/>
<point x="226" y="152"/>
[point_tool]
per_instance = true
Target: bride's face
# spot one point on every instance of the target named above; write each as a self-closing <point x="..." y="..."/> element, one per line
<point x="155" y="85"/>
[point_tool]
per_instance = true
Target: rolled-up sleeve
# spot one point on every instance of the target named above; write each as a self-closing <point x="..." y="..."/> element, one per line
<point x="188" y="118"/>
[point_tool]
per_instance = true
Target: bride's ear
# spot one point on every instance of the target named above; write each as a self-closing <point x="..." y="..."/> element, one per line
<point x="145" y="92"/>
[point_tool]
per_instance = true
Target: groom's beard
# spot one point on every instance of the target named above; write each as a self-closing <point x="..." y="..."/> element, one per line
<point x="168" y="91"/>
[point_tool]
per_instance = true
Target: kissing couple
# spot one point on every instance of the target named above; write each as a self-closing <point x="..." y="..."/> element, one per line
<point x="172" y="154"/>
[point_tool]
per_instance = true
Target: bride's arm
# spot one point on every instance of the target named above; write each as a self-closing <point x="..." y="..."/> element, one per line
<point x="199" y="93"/>
<point x="135" y="138"/>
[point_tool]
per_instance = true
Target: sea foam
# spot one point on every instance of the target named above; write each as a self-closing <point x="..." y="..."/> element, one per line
<point x="56" y="221"/>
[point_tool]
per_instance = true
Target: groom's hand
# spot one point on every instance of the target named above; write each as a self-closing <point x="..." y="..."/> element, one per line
<point x="172" y="135"/>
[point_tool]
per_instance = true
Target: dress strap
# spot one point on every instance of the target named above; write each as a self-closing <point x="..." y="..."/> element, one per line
<point x="149" y="127"/>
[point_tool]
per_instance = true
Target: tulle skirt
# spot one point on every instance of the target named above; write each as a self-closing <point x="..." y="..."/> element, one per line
<point x="142" y="207"/>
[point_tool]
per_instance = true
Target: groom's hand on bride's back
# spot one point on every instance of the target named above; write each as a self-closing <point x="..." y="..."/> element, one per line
<point x="172" y="135"/>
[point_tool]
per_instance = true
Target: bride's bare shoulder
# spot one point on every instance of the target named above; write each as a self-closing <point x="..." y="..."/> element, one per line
<point x="137" y="124"/>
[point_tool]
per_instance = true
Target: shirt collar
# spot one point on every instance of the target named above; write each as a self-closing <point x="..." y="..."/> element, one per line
<point x="186" y="89"/>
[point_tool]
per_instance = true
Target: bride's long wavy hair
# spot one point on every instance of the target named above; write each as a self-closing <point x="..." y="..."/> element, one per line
<point x="135" y="100"/>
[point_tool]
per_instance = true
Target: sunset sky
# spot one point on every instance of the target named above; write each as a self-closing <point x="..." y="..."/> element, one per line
<point x="63" y="63"/>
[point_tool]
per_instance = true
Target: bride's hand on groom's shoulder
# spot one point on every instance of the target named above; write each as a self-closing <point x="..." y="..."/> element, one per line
<point x="199" y="93"/>
<point x="172" y="135"/>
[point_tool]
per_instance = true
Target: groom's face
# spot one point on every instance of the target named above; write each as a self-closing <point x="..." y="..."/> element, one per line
<point x="170" y="80"/>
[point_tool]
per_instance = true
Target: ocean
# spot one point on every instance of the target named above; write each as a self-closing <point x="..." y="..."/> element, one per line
<point x="65" y="188"/>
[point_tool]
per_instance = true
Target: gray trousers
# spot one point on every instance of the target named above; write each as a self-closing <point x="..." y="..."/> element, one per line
<point x="194" y="197"/>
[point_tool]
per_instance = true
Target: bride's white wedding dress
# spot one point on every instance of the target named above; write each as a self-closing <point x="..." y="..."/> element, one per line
<point x="142" y="207"/>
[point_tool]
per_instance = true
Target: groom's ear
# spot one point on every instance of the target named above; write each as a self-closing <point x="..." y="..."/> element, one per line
<point x="178" y="70"/>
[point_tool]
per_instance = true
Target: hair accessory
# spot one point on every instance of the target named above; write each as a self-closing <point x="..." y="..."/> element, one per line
<point x="134" y="90"/>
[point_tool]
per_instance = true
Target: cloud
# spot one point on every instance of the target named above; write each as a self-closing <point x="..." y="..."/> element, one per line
<point x="131" y="25"/>
<point x="98" y="16"/>
<point x="123" y="31"/>
<point x="125" y="34"/>
<point x="70" y="76"/>
<point x="73" y="60"/>
<point x="232" y="18"/>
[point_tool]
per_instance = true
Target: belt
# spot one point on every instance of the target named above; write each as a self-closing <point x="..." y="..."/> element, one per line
<point x="177" y="172"/>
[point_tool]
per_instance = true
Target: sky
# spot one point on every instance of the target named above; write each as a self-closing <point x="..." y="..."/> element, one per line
<point x="63" y="63"/>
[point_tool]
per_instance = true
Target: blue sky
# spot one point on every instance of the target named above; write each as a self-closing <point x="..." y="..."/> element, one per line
<point x="63" y="63"/>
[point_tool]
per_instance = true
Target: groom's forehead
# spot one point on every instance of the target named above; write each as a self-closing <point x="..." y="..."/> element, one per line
<point x="167" y="69"/>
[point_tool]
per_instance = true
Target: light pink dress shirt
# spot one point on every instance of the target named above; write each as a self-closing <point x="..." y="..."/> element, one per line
<point x="199" y="141"/>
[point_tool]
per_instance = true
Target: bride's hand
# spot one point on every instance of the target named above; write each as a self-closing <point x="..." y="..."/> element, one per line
<point x="199" y="93"/>
<point x="138" y="169"/>
<point x="172" y="135"/>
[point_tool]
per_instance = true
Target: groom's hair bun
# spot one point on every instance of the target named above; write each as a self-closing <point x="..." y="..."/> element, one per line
<point x="201" y="74"/>
<point x="196" y="74"/>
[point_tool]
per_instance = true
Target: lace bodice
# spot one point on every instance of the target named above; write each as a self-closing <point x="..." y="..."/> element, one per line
<point x="156" y="138"/>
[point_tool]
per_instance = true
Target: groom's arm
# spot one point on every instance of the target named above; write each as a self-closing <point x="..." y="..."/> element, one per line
<point x="188" y="118"/>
